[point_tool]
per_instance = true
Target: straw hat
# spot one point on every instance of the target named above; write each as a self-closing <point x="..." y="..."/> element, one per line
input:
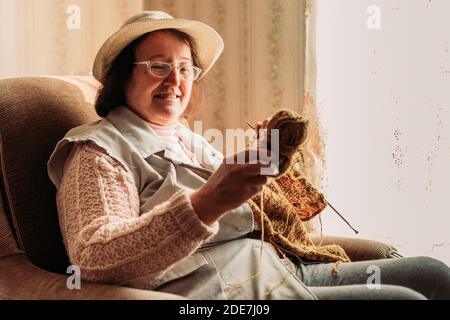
<point x="209" y="42"/>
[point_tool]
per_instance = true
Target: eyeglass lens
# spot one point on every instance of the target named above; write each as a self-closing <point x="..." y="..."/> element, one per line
<point x="162" y="69"/>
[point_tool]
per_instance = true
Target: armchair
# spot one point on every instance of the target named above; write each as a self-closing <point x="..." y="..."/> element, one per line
<point x="35" y="112"/>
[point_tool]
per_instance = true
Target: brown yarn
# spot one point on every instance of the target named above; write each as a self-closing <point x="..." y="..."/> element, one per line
<point x="290" y="199"/>
<point x="292" y="129"/>
<point x="287" y="201"/>
<point x="335" y="270"/>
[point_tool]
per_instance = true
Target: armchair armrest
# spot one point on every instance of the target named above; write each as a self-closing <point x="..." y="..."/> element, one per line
<point x="20" y="279"/>
<point x="361" y="249"/>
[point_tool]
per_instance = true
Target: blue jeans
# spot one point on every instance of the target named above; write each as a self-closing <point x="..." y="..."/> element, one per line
<point x="399" y="278"/>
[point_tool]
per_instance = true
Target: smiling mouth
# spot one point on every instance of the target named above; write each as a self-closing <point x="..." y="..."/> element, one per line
<point x="167" y="96"/>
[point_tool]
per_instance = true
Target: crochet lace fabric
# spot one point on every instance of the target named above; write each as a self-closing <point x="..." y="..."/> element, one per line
<point x="105" y="233"/>
<point x="290" y="199"/>
<point x="283" y="213"/>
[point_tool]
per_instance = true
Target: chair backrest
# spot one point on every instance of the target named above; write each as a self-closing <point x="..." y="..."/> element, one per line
<point x="36" y="112"/>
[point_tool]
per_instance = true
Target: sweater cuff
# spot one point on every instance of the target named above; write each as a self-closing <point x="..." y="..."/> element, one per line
<point x="186" y="217"/>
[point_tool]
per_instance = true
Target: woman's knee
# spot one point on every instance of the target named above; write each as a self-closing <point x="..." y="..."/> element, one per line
<point x="434" y="278"/>
<point x="433" y="269"/>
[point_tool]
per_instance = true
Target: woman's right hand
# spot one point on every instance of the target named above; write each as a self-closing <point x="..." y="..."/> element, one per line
<point x="227" y="188"/>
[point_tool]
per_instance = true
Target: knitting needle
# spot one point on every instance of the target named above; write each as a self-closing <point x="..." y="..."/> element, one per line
<point x="356" y="231"/>
<point x="248" y="123"/>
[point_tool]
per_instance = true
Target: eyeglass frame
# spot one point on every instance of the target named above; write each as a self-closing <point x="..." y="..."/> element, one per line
<point x="148" y="64"/>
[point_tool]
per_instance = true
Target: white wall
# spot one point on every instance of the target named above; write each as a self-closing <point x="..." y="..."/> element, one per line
<point x="384" y="98"/>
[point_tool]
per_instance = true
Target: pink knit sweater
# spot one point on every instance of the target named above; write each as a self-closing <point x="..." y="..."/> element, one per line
<point x="104" y="231"/>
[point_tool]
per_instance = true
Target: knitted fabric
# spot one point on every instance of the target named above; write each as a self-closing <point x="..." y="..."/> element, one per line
<point x="290" y="199"/>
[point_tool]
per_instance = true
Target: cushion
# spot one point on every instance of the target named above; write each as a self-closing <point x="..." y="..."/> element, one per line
<point x="35" y="113"/>
<point x="8" y="244"/>
<point x="360" y="249"/>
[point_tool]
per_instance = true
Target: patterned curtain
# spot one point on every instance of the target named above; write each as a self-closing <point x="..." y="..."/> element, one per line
<point x="268" y="63"/>
<point x="57" y="37"/>
<point x="262" y="67"/>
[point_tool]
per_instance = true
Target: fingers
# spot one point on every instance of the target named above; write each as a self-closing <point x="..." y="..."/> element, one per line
<point x="257" y="125"/>
<point x="261" y="124"/>
<point x="259" y="180"/>
<point x="255" y="169"/>
<point x="246" y="169"/>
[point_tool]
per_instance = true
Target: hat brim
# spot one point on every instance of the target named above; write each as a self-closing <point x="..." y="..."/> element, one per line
<point x="209" y="42"/>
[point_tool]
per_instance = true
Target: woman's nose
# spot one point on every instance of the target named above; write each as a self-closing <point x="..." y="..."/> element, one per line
<point x="174" y="77"/>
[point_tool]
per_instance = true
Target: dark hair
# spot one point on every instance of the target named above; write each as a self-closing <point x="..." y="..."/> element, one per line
<point x="112" y="93"/>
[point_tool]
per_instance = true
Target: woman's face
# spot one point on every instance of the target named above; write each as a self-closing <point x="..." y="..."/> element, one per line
<point x="159" y="100"/>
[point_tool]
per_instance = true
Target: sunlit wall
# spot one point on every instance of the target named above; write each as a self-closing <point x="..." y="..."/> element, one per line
<point x="384" y="98"/>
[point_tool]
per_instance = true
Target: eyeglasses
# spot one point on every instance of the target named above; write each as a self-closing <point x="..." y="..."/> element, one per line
<point x="162" y="69"/>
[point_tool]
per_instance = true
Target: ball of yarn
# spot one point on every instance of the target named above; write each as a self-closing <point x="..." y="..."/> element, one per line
<point x="292" y="132"/>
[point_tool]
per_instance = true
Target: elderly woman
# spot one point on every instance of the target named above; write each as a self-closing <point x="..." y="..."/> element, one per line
<point x="145" y="202"/>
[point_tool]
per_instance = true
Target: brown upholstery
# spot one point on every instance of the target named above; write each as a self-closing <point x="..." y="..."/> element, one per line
<point x="8" y="245"/>
<point x="35" y="112"/>
<point x="361" y="249"/>
<point x="26" y="281"/>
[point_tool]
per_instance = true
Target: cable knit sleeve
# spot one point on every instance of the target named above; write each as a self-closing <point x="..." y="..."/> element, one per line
<point x="103" y="230"/>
